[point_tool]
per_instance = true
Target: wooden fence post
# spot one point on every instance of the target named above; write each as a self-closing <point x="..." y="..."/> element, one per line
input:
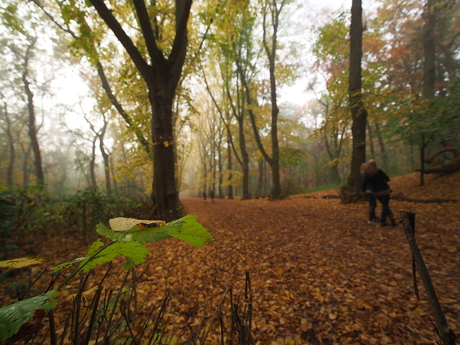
<point x="445" y="332"/>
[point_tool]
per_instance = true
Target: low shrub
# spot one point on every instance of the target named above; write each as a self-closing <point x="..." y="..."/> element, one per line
<point x="112" y="315"/>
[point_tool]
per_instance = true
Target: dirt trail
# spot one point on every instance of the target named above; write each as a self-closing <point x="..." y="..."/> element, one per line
<point x="322" y="275"/>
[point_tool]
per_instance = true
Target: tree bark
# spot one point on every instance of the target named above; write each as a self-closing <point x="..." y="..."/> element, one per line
<point x="220" y="164"/>
<point x="429" y="48"/>
<point x="114" y="101"/>
<point x="25" y="165"/>
<point x="273" y="10"/>
<point x="260" y="177"/>
<point x="11" y="150"/>
<point x="162" y="76"/>
<point x="429" y="70"/>
<point x="358" y="112"/>
<point x="229" y="164"/>
<point x="381" y="146"/>
<point x="105" y="158"/>
<point x="92" y="165"/>
<point x="238" y="114"/>
<point x="33" y="132"/>
<point x="371" y="138"/>
<point x="245" y="161"/>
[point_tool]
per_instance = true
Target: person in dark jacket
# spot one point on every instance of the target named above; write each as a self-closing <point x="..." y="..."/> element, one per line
<point x="376" y="179"/>
<point x="212" y="195"/>
<point x="372" y="218"/>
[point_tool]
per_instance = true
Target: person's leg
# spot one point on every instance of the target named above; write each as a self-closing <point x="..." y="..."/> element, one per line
<point x="372" y="205"/>
<point x="384" y="200"/>
<point x="390" y="214"/>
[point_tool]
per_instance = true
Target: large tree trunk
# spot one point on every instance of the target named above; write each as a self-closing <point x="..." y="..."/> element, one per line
<point x="358" y="112"/>
<point x="429" y="75"/>
<point x="164" y="195"/>
<point x="161" y="73"/>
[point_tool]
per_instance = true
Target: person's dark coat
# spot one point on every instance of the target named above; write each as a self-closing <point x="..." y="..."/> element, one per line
<point x="376" y="183"/>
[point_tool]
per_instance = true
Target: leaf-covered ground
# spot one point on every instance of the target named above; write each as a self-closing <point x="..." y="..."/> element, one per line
<point x="320" y="274"/>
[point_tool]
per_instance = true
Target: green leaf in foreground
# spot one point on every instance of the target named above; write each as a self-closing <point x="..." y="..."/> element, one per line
<point x="13" y="316"/>
<point x="133" y="251"/>
<point x="186" y="229"/>
<point x="190" y="231"/>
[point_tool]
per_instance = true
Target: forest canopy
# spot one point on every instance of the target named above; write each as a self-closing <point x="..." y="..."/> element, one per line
<point x="182" y="97"/>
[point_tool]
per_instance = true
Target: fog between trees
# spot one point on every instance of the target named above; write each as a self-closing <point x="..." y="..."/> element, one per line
<point x="240" y="59"/>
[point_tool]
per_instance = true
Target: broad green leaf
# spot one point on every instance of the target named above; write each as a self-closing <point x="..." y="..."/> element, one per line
<point x="94" y="247"/>
<point x="186" y="229"/>
<point x="135" y="252"/>
<point x="68" y="264"/>
<point x="13" y="316"/>
<point x="190" y="231"/>
<point x="21" y="262"/>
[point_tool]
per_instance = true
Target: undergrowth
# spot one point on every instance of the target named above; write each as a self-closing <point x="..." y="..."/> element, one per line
<point x="106" y="314"/>
<point x="32" y="210"/>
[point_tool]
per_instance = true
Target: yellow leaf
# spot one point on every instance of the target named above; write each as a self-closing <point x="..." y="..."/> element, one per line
<point x="87" y="292"/>
<point x="124" y="224"/>
<point x="303" y="325"/>
<point x="451" y="249"/>
<point x="92" y="342"/>
<point x="19" y="263"/>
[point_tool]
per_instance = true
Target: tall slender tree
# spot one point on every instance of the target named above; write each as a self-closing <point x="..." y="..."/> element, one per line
<point x="271" y="21"/>
<point x="7" y="128"/>
<point x="358" y="111"/>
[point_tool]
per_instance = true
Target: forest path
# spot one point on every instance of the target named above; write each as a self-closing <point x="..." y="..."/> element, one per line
<point x="321" y="274"/>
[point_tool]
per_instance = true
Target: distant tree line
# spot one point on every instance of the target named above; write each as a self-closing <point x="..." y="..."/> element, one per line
<point x="192" y="103"/>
